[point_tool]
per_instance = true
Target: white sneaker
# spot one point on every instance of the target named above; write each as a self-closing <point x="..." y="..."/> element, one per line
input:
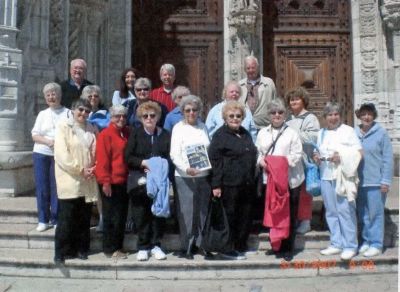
<point x="158" y="253"/>
<point x="304" y="227"/>
<point x="348" y="254"/>
<point x="42" y="227"/>
<point x="372" y="251"/>
<point x="331" y="250"/>
<point x="363" y="248"/>
<point x="142" y="255"/>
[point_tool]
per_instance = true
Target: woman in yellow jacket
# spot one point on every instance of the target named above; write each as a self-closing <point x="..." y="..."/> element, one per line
<point x="74" y="155"/>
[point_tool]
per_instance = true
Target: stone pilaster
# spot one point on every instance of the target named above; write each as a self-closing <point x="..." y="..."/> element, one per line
<point x="13" y="160"/>
<point x="243" y="35"/>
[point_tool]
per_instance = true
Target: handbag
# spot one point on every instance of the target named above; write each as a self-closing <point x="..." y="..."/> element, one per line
<point x="136" y="179"/>
<point x="215" y="233"/>
<point x="313" y="178"/>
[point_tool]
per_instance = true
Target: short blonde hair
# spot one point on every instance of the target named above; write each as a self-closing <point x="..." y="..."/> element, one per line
<point x="118" y="109"/>
<point x="232" y="105"/>
<point x="147" y="106"/>
<point x="180" y="91"/>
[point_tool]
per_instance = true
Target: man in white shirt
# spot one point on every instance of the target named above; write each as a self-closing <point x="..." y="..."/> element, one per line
<point x="257" y="91"/>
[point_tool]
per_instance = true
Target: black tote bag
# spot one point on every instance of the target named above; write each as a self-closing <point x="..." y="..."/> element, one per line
<point x="215" y="234"/>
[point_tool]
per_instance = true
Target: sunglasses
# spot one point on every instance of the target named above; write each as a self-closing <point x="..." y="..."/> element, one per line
<point x="142" y="89"/>
<point x="188" y="110"/>
<point x="83" y="109"/>
<point x="118" y="117"/>
<point x="146" y="116"/>
<point x="276" y="112"/>
<point x="232" y="116"/>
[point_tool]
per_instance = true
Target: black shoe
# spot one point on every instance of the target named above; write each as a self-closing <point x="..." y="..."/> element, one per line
<point x="82" y="256"/>
<point x="189" y="256"/>
<point x="59" y="260"/>
<point x="208" y="256"/>
<point x="233" y="255"/>
<point x="288" y="256"/>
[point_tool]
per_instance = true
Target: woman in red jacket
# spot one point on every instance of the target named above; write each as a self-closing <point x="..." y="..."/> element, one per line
<point x="111" y="174"/>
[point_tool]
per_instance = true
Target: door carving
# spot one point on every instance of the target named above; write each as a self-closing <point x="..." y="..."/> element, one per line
<point x="185" y="33"/>
<point x="307" y="43"/>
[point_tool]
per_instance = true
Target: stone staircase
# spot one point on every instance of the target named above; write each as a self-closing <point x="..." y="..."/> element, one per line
<point x="26" y="252"/>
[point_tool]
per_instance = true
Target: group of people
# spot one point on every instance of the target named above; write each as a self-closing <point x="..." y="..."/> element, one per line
<point x="255" y="144"/>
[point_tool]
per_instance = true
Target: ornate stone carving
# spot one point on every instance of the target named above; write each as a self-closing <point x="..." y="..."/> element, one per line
<point x="368" y="42"/>
<point x="244" y="23"/>
<point x="56" y="30"/>
<point x="390" y="10"/>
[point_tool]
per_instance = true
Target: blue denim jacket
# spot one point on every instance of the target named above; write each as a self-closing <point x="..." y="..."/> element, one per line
<point x="376" y="167"/>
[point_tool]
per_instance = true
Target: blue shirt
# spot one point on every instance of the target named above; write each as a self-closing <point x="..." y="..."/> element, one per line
<point x="173" y="117"/>
<point x="376" y="167"/>
<point x="215" y="121"/>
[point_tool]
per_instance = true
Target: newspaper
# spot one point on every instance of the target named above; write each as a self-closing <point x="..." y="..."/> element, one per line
<point x="198" y="157"/>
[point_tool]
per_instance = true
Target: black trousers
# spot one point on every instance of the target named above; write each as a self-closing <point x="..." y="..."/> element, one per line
<point x="238" y="202"/>
<point x="73" y="227"/>
<point x="288" y="244"/>
<point x="149" y="227"/>
<point x="115" y="209"/>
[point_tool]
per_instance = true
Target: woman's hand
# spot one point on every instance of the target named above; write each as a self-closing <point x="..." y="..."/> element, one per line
<point x="316" y="158"/>
<point x="88" y="172"/>
<point x="50" y="143"/>
<point x="384" y="189"/>
<point x="335" y="158"/>
<point x="145" y="166"/>
<point x="107" y="190"/>
<point x="192" y="171"/>
<point x="217" y="192"/>
<point x="263" y="164"/>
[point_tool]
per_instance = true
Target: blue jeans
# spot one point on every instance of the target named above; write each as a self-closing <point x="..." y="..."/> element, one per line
<point x="341" y="217"/>
<point x="371" y="215"/>
<point x="46" y="190"/>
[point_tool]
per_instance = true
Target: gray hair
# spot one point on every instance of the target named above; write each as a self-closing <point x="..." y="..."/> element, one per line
<point x="180" y="91"/>
<point x="78" y="60"/>
<point x="143" y="82"/>
<point x="87" y="90"/>
<point x="332" y="106"/>
<point x="52" y="86"/>
<point x="169" y="68"/>
<point x="276" y="105"/>
<point x="81" y="102"/>
<point x="232" y="82"/>
<point x="192" y="100"/>
<point x="250" y="58"/>
<point x="118" y="109"/>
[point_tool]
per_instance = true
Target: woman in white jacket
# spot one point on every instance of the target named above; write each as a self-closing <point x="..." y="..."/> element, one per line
<point x="340" y="211"/>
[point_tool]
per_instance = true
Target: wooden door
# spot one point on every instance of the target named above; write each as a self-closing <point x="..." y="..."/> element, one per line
<point x="185" y="33"/>
<point x="307" y="43"/>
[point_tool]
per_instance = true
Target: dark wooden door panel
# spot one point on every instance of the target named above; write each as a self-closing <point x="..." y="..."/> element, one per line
<point x="187" y="34"/>
<point x="307" y="43"/>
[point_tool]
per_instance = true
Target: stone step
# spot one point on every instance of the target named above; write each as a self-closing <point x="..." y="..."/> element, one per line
<point x="26" y="236"/>
<point x="39" y="263"/>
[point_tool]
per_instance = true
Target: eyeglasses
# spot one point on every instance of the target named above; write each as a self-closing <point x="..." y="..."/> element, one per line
<point x="146" y="116"/>
<point x="93" y="95"/>
<point x="83" y="109"/>
<point x="232" y="116"/>
<point x="142" y="89"/>
<point x="188" y="110"/>
<point x="118" y="117"/>
<point x="276" y="112"/>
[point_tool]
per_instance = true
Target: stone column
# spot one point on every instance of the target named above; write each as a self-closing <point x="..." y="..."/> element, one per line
<point x="13" y="161"/>
<point x="390" y="11"/>
<point x="242" y="36"/>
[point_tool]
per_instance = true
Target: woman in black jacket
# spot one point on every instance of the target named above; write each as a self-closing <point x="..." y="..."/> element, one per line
<point x="233" y="158"/>
<point x="144" y="143"/>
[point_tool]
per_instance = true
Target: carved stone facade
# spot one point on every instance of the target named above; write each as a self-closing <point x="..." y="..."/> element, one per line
<point x="243" y="35"/>
<point x="376" y="55"/>
<point x="38" y="38"/>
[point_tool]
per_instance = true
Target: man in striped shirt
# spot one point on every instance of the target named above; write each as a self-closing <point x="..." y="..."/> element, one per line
<point x="163" y="93"/>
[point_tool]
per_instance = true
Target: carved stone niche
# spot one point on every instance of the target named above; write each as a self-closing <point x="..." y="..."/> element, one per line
<point x="390" y="10"/>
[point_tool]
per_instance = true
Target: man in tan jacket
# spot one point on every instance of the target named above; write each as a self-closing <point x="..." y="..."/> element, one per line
<point x="257" y="92"/>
